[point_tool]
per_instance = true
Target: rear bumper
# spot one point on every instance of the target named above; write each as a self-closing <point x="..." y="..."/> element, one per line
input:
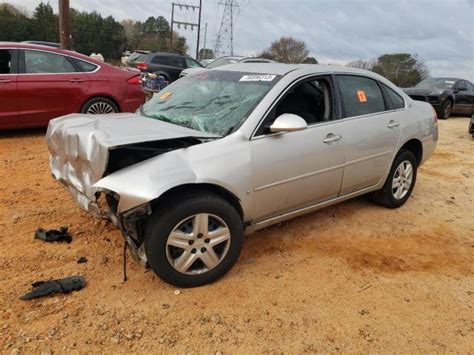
<point x="134" y="98"/>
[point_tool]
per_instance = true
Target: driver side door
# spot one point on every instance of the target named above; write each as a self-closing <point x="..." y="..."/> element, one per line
<point x="292" y="170"/>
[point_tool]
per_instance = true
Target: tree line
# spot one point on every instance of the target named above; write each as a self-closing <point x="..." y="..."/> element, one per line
<point x="403" y="69"/>
<point x="90" y="31"/>
<point x="93" y="33"/>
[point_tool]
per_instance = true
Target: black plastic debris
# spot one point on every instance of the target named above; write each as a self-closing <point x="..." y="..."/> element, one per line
<point x="51" y="287"/>
<point x="82" y="260"/>
<point x="53" y="235"/>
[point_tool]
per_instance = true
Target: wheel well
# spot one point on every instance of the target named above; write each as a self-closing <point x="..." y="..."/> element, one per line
<point x="414" y="146"/>
<point x="102" y="96"/>
<point x="181" y="190"/>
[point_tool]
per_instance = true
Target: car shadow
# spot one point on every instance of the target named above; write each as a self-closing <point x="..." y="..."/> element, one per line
<point x="20" y="133"/>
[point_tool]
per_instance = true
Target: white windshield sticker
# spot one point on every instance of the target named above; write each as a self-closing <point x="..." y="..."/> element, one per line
<point x="257" y="77"/>
<point x="449" y="82"/>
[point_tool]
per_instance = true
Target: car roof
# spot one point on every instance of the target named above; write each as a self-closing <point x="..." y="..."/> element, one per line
<point x="283" y="69"/>
<point x="168" y="54"/>
<point x="23" y="45"/>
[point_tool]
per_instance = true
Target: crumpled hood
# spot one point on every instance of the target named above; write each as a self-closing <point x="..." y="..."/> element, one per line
<point x="79" y="146"/>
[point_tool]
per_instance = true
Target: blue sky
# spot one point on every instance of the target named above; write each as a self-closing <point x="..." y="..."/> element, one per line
<point x="441" y="32"/>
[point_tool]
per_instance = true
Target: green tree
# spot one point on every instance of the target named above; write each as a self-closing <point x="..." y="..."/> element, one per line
<point x="14" y="25"/>
<point x="45" y="24"/>
<point x="310" y="60"/>
<point x="403" y="69"/>
<point x="206" y="53"/>
<point x="286" y="50"/>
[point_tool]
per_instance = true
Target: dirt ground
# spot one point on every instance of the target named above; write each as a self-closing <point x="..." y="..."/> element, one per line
<point x="351" y="278"/>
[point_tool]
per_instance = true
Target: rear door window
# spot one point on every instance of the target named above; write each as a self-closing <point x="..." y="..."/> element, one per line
<point x="360" y="95"/>
<point x="46" y="62"/>
<point x="176" y="62"/>
<point x="158" y="59"/>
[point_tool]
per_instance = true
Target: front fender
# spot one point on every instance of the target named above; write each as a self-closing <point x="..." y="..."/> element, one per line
<point x="148" y="180"/>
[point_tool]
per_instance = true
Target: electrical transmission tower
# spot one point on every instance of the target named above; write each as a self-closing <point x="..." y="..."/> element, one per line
<point x="225" y="36"/>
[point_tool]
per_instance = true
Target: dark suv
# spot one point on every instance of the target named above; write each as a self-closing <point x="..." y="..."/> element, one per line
<point x="446" y="95"/>
<point x="168" y="65"/>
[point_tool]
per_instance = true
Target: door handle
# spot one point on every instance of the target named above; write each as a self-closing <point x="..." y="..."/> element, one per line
<point x="77" y="80"/>
<point x="332" y="138"/>
<point x="4" y="81"/>
<point x="393" y="124"/>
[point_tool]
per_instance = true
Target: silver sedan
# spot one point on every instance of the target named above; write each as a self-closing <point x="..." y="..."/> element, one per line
<point x="231" y="150"/>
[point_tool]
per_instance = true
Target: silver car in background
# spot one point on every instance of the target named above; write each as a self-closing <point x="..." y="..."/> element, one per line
<point x="231" y="150"/>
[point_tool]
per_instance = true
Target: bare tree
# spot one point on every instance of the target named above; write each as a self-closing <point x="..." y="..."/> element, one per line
<point x="286" y="50"/>
<point x="361" y="64"/>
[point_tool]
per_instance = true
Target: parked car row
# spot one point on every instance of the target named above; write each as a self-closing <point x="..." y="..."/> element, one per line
<point x="39" y="82"/>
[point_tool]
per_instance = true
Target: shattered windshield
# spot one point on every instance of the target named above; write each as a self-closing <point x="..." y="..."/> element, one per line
<point x="211" y="101"/>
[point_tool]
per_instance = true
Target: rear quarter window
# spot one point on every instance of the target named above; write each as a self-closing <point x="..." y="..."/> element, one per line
<point x="86" y="66"/>
<point x="395" y="101"/>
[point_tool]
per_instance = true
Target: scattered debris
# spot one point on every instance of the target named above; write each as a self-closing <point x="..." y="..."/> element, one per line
<point x="363" y="288"/>
<point x="53" y="235"/>
<point x="82" y="260"/>
<point x="45" y="288"/>
<point x="363" y="312"/>
<point x="177" y="292"/>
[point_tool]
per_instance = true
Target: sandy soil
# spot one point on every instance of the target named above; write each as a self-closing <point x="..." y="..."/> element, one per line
<point x="354" y="277"/>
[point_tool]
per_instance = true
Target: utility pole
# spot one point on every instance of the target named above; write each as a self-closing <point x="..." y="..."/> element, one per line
<point x="186" y="24"/>
<point x="64" y="24"/>
<point x="204" y="46"/>
<point x="199" y="30"/>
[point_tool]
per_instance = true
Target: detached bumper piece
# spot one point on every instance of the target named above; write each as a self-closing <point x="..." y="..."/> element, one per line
<point x="45" y="288"/>
<point x="53" y="235"/>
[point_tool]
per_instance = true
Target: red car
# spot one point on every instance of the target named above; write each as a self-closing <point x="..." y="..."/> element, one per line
<point x="38" y="83"/>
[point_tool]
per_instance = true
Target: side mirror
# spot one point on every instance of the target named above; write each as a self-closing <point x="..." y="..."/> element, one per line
<point x="461" y="88"/>
<point x="288" y="122"/>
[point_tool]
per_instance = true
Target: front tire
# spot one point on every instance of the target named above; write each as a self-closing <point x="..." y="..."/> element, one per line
<point x="194" y="241"/>
<point x="400" y="181"/>
<point x="446" y="109"/>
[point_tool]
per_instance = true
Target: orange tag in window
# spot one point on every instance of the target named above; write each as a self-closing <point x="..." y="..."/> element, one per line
<point x="165" y="95"/>
<point x="361" y="96"/>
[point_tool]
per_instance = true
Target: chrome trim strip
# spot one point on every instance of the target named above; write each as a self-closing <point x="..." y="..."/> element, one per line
<point x="298" y="212"/>
<point x="355" y="161"/>
<point x="281" y="182"/>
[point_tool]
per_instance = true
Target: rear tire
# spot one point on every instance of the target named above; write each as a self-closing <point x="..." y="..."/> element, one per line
<point x="100" y="105"/>
<point x="400" y="181"/>
<point x="446" y="109"/>
<point x="193" y="241"/>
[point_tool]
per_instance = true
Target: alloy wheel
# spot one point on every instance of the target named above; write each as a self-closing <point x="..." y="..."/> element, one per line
<point x="198" y="244"/>
<point x="100" y="107"/>
<point x="402" y="179"/>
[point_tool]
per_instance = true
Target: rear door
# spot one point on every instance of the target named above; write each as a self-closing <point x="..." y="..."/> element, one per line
<point x="371" y="131"/>
<point x="49" y="85"/>
<point x="8" y="94"/>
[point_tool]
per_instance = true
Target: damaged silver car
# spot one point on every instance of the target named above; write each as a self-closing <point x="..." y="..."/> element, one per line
<point x="232" y="150"/>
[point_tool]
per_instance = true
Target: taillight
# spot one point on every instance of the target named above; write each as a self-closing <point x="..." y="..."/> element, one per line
<point x="142" y="66"/>
<point x="135" y="80"/>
